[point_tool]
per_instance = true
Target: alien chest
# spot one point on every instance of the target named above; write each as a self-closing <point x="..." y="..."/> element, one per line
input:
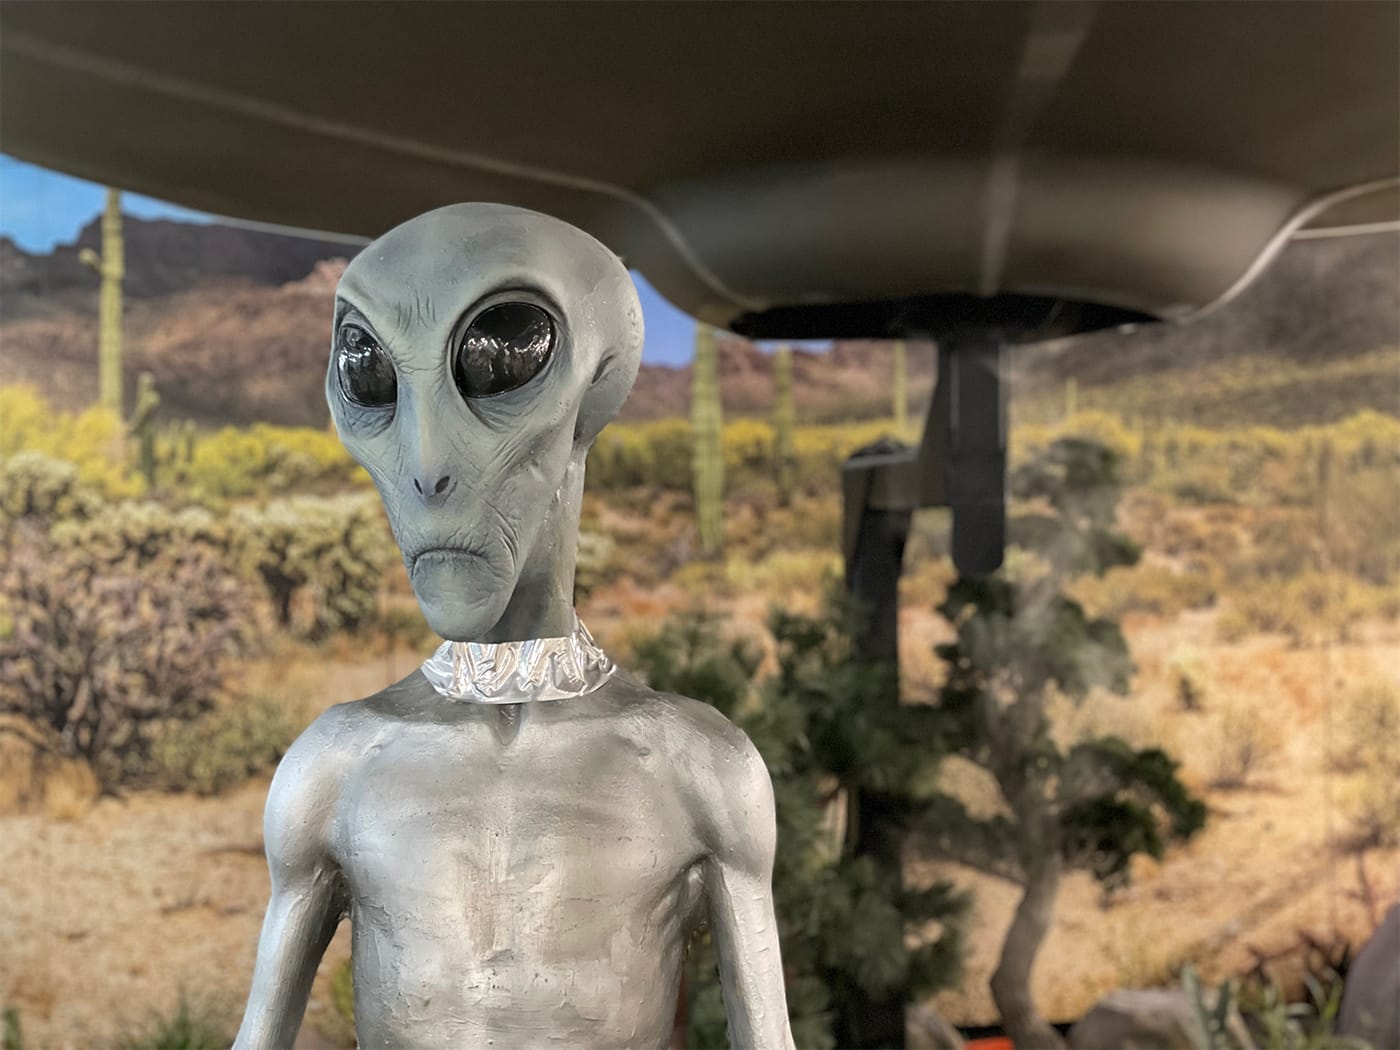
<point x="487" y="859"/>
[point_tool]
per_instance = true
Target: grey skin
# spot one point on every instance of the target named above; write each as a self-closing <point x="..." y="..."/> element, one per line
<point x="516" y="875"/>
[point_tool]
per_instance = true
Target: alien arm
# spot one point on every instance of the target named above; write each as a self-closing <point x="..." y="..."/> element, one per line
<point x="307" y="899"/>
<point x="738" y="881"/>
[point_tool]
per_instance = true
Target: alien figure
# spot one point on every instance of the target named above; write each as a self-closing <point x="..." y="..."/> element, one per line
<point x="522" y="837"/>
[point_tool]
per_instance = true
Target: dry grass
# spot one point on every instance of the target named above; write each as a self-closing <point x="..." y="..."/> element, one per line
<point x="34" y="779"/>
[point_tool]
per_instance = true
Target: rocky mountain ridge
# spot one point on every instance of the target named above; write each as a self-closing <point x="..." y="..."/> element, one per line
<point x="233" y="324"/>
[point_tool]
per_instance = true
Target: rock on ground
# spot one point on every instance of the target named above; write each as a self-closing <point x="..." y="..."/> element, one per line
<point x="1148" y="1019"/>
<point x="1371" y="1000"/>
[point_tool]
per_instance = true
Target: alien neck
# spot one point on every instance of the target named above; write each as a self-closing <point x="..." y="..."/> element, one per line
<point x="542" y="605"/>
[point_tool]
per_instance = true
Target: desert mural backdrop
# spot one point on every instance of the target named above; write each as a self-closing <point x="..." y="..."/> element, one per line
<point x="187" y="584"/>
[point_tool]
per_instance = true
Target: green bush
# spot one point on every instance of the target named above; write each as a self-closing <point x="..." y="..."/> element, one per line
<point x="189" y="1027"/>
<point x="827" y="729"/>
<point x="319" y="558"/>
<point x="223" y="748"/>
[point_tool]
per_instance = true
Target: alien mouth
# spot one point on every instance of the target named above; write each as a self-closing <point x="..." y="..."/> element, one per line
<point x="440" y="556"/>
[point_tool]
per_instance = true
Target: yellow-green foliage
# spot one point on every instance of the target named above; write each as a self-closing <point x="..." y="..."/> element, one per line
<point x="142" y="531"/>
<point x="1149" y="587"/>
<point x="1311" y="608"/>
<point x="343" y="991"/>
<point x="92" y="440"/>
<point x="33" y="485"/>
<point x="785" y="572"/>
<point x="1237" y="465"/>
<point x="265" y="460"/>
<point x="222" y="748"/>
<point x="658" y="453"/>
<point x="1369" y="748"/>
<point x="320" y="558"/>
<point x="641" y="454"/>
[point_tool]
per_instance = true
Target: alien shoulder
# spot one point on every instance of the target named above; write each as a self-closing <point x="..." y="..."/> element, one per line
<point x="728" y="782"/>
<point x="305" y="790"/>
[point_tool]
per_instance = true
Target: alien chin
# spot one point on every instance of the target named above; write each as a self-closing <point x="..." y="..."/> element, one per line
<point x="461" y="591"/>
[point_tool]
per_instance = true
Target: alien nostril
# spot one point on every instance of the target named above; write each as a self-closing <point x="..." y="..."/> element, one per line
<point x="441" y="486"/>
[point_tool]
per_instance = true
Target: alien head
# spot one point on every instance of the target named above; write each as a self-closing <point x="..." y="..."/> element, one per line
<point x="478" y="351"/>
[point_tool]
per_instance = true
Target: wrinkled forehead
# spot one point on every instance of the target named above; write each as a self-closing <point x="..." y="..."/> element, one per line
<point x="467" y="250"/>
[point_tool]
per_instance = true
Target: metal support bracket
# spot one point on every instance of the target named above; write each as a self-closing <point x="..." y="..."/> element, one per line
<point x="960" y="461"/>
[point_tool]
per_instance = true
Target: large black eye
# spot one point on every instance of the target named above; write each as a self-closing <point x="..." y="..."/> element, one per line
<point x="366" y="373"/>
<point x="503" y="348"/>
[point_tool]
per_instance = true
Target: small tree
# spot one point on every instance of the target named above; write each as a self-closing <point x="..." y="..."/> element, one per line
<point x="826" y="730"/>
<point x="1020" y="642"/>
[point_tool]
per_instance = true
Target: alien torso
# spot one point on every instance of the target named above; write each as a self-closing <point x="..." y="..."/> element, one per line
<point x="518" y="885"/>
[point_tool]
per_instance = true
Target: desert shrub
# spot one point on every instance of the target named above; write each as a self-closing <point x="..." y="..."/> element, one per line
<point x="142" y="532"/>
<point x="1309" y="609"/>
<point x="188" y="1027"/>
<point x="748" y="449"/>
<point x="1360" y="533"/>
<point x="13" y="1038"/>
<point x="1149" y="587"/>
<point x="222" y="748"/>
<point x="320" y="558"/>
<point x="37" y="486"/>
<point x="597" y="558"/>
<point x="402" y="624"/>
<point x="1248" y="736"/>
<point x="104" y="655"/>
<point x="1189" y="677"/>
<point x="820" y="452"/>
<point x="343" y="991"/>
<point x="653" y="454"/>
<point x="1372" y="803"/>
<point x="92" y="440"/>
<point x="1368" y="725"/>
<point x="657" y="453"/>
<point x="785" y="572"/>
<point x="1278" y="1024"/>
<point x="265" y="460"/>
<point x="1368" y="748"/>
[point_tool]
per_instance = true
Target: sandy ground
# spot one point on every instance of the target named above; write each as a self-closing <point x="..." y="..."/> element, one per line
<point x="115" y="912"/>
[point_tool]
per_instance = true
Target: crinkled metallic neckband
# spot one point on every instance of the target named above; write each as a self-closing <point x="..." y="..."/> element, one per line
<point x="520" y="672"/>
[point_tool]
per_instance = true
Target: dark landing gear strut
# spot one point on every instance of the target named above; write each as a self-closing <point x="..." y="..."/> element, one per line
<point x="960" y="463"/>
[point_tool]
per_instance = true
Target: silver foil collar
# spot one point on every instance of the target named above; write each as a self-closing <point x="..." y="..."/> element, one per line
<point x="520" y="672"/>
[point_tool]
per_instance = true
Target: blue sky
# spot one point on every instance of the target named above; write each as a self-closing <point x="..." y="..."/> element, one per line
<point x="40" y="208"/>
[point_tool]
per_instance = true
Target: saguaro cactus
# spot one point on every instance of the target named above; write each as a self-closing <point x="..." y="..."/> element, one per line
<point x="111" y="266"/>
<point x="901" y="386"/>
<point x="142" y="426"/>
<point x="784" y="420"/>
<point x="707" y="450"/>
